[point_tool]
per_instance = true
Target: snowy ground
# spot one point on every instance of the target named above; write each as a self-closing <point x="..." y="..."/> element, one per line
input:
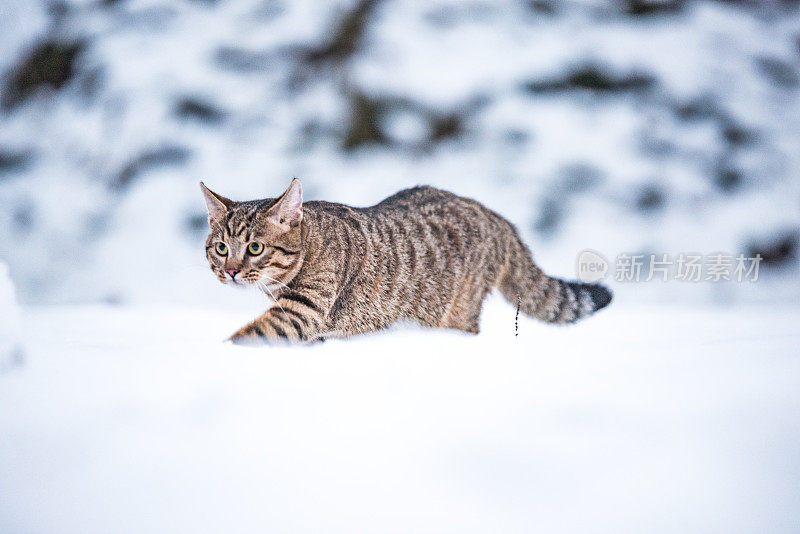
<point x="654" y="419"/>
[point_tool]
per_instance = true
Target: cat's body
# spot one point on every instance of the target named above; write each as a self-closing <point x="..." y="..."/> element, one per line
<point x="423" y="255"/>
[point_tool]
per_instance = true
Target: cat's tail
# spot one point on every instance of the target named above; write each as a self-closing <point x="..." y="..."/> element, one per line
<point x="546" y="298"/>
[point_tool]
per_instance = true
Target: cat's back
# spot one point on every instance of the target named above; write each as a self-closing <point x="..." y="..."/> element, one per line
<point x="463" y="219"/>
<point x="420" y="199"/>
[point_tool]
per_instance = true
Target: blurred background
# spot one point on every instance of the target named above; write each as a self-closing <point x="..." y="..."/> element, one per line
<point x="630" y="126"/>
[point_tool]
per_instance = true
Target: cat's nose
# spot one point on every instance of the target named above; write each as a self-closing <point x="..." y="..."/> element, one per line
<point x="232" y="272"/>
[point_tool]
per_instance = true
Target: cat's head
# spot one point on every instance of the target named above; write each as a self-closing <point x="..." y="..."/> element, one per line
<point x="255" y="242"/>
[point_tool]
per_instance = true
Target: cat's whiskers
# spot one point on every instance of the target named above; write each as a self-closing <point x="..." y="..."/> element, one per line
<point x="274" y="280"/>
<point x="264" y="286"/>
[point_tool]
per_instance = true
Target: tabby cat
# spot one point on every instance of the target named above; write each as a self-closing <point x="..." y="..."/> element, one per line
<point x="422" y="254"/>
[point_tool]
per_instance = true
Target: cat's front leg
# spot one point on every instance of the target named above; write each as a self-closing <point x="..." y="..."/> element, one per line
<point x="263" y="331"/>
<point x="297" y="317"/>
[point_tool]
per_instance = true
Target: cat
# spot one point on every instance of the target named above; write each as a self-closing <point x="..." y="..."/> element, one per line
<point x="423" y="254"/>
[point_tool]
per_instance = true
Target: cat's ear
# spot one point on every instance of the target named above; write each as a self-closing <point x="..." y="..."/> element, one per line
<point x="217" y="205"/>
<point x="288" y="210"/>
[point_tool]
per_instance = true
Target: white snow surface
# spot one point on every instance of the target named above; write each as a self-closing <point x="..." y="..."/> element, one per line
<point x="651" y="419"/>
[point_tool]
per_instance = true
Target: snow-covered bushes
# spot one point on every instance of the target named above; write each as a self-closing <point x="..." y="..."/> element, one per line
<point x="617" y="126"/>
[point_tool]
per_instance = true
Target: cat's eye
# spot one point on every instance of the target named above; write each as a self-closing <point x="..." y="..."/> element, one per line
<point x="255" y="248"/>
<point x="222" y="249"/>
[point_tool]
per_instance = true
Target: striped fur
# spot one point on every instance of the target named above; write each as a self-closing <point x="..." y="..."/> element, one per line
<point x="423" y="254"/>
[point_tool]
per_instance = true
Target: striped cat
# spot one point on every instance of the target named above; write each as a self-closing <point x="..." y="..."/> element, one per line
<point x="422" y="254"/>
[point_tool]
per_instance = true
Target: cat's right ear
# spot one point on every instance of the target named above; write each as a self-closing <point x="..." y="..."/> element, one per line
<point x="217" y="205"/>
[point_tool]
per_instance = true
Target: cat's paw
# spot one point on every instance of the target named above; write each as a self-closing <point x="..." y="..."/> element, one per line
<point x="248" y="337"/>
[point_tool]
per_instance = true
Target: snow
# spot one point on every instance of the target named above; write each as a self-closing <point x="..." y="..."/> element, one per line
<point x="10" y="349"/>
<point x="22" y="21"/>
<point x="641" y="419"/>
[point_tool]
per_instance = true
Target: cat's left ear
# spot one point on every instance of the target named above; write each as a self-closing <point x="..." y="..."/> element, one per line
<point x="288" y="210"/>
<point x="217" y="205"/>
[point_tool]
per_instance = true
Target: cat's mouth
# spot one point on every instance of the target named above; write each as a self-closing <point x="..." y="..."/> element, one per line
<point x="262" y="281"/>
<point x="242" y="282"/>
